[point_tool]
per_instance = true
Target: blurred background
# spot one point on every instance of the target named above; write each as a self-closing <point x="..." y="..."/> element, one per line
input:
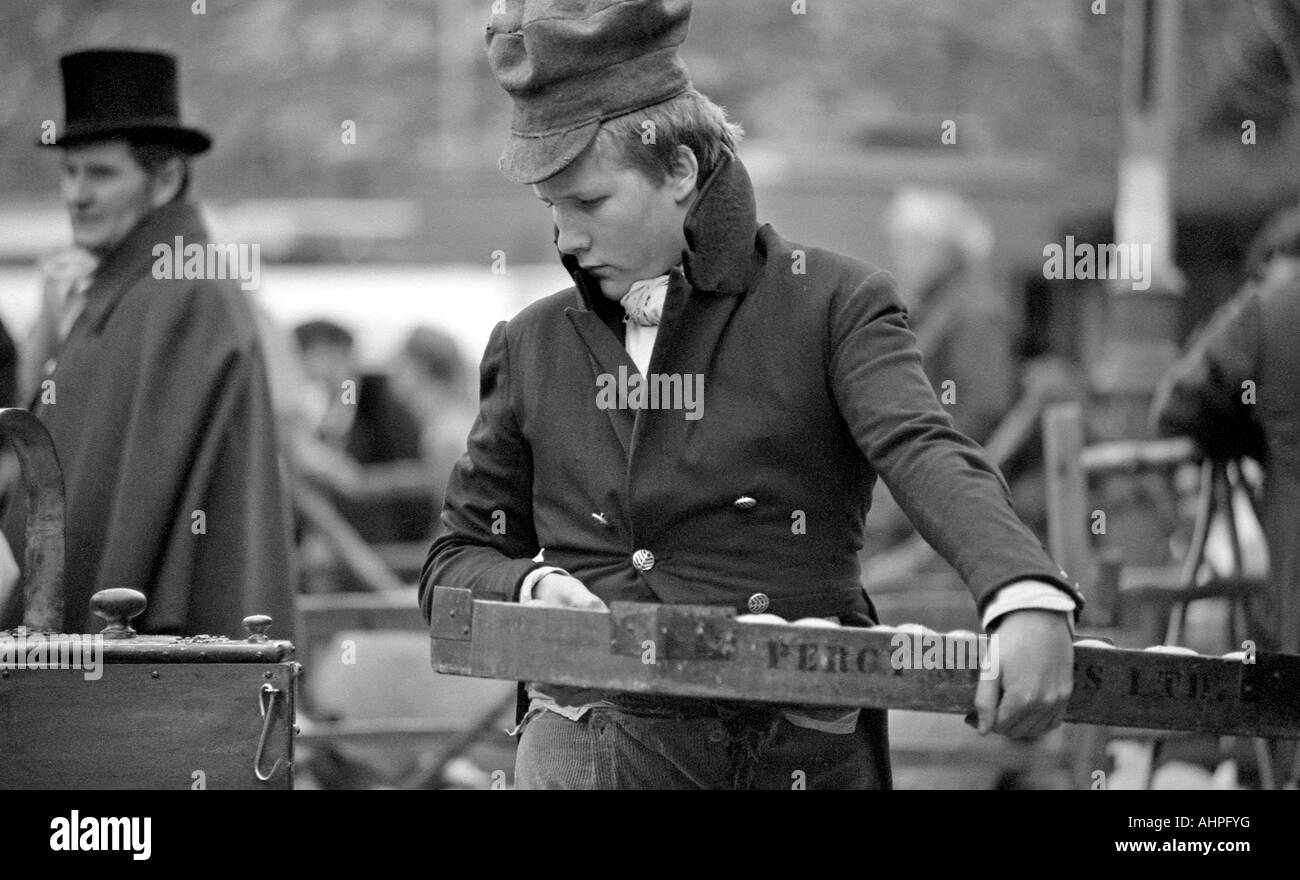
<point x="842" y="106"/>
<point x="950" y="142"/>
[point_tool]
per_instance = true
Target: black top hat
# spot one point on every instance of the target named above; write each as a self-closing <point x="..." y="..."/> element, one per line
<point x="125" y="92"/>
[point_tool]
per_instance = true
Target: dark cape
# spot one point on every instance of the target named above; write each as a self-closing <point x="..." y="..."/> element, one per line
<point x="161" y="410"/>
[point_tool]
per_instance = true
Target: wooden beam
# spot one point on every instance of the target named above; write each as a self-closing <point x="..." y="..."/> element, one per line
<point x="388" y="732"/>
<point x="687" y="651"/>
<point x="1136" y="455"/>
<point x="322" y="616"/>
<point x="355" y="554"/>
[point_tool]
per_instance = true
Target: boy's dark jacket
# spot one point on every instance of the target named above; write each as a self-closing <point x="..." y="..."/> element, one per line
<point x="812" y="386"/>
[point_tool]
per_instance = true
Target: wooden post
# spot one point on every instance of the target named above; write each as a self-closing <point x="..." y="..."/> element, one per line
<point x="1140" y="335"/>
<point x="1068" y="510"/>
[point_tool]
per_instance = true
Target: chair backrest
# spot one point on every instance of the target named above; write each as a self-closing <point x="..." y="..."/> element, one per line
<point x="1070" y="464"/>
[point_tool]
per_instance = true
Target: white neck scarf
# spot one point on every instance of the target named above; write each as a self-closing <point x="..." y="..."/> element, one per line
<point x="644" y="305"/>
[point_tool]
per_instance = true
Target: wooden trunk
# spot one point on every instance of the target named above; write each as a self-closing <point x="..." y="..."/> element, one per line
<point x="120" y="710"/>
<point x="159" y="713"/>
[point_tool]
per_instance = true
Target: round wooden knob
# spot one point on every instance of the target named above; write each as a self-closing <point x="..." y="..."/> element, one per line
<point x="257" y="625"/>
<point x="117" y="607"/>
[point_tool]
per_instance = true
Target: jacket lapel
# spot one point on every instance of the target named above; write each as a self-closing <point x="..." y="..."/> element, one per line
<point x="690" y="335"/>
<point x="692" y="327"/>
<point x="720" y="265"/>
<point x="607" y="355"/>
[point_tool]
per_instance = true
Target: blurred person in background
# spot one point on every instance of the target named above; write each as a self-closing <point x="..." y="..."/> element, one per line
<point x="940" y="246"/>
<point x="365" y="448"/>
<point x="153" y="388"/>
<point x="430" y="375"/>
<point x="325" y="350"/>
<point x="1237" y="393"/>
<point x="360" y="445"/>
<point x="64" y="277"/>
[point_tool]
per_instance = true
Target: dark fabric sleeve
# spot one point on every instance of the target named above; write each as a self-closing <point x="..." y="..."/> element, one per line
<point x="486" y="539"/>
<point x="940" y="478"/>
<point x="1205" y="395"/>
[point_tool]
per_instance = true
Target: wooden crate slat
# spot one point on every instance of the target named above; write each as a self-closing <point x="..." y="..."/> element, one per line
<point x="698" y="652"/>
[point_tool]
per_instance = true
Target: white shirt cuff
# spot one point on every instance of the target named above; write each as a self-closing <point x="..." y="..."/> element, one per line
<point x="526" y="588"/>
<point x="1029" y="594"/>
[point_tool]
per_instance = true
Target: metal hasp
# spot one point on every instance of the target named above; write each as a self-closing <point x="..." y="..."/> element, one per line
<point x="43" y="479"/>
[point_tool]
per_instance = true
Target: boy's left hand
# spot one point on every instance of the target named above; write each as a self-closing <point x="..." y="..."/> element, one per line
<point x="1029" y="695"/>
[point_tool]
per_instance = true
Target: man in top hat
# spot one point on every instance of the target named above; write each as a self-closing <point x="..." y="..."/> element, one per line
<point x="752" y="495"/>
<point x="153" y="387"/>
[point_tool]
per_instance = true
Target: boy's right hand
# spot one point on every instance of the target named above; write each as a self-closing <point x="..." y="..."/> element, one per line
<point x="566" y="591"/>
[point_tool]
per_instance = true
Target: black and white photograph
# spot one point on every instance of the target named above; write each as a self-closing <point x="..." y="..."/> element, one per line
<point x="651" y="394"/>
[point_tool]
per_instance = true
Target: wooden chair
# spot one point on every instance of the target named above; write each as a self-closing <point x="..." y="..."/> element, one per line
<point x="1127" y="601"/>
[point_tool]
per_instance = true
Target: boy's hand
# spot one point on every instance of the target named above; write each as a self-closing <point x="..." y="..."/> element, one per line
<point x="1029" y="695"/>
<point x="567" y="591"/>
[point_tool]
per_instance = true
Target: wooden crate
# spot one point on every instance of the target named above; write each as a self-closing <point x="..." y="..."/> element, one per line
<point x="702" y="652"/>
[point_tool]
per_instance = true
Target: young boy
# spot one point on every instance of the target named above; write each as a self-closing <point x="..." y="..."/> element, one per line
<point x="701" y="419"/>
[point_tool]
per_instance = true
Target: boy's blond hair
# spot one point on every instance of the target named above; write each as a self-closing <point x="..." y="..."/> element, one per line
<point x="648" y="139"/>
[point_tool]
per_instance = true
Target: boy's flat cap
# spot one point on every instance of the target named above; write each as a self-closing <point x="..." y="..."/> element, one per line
<point x="571" y="64"/>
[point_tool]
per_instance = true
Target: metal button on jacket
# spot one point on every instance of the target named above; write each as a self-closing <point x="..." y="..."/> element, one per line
<point x="758" y="603"/>
<point x="744" y="502"/>
<point x="643" y="560"/>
